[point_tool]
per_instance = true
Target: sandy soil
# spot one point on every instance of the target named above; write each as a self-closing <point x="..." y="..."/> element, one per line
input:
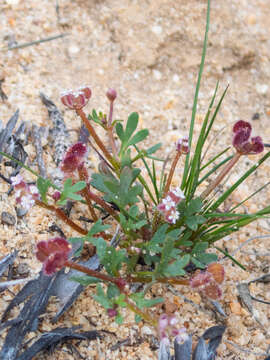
<point x="150" y="52"/>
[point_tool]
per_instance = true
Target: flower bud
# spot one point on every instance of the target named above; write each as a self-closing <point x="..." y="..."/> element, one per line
<point x="111" y="94"/>
<point x="182" y="145"/>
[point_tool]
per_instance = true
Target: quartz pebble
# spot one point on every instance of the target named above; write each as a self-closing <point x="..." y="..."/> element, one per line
<point x="7" y="218"/>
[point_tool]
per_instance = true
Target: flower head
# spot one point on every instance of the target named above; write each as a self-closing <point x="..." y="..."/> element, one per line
<point x="168" y="205"/>
<point x="167" y="326"/>
<point x="74" y="158"/>
<point x="182" y="145"/>
<point x="208" y="281"/>
<point x="25" y="194"/>
<point x="242" y="141"/>
<point x="76" y="100"/>
<point x="53" y="254"/>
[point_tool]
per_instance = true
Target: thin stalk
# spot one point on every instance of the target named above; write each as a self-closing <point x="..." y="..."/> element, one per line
<point x="97" y="139"/>
<point x="103" y="204"/>
<point x="110" y="131"/>
<point x="143" y="314"/>
<point x="91" y="272"/>
<point x="172" y="170"/>
<point x="86" y="194"/>
<point x="61" y="215"/>
<point x="195" y="101"/>
<point x="219" y="178"/>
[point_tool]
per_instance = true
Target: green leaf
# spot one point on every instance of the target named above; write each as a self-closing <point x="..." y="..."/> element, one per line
<point x="194" y="206"/>
<point x="206" y="258"/>
<point x="85" y="280"/>
<point x="121" y="301"/>
<point x="113" y="259"/>
<point x="193" y="221"/>
<point x="70" y="190"/>
<point x="112" y="291"/>
<point x="43" y="186"/>
<point x="153" y="149"/>
<point x="137" y="318"/>
<point x="157" y="239"/>
<point x="119" y="319"/>
<point x="200" y="247"/>
<point x="102" y="299"/>
<point x="139" y="136"/>
<point x="97" y="227"/>
<point x="132" y="124"/>
<point x="176" y="268"/>
<point x="120" y="132"/>
<point x="141" y="302"/>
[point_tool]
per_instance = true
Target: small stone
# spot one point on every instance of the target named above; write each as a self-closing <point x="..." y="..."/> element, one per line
<point x="8" y="218"/>
<point x="73" y="50"/>
<point x="146" y="330"/>
<point x="157" y="74"/>
<point x="256" y="116"/>
<point x="262" y="89"/>
<point x="23" y="269"/>
<point x="175" y="78"/>
<point x="12" y="2"/>
<point x="21" y="212"/>
<point x="156" y="29"/>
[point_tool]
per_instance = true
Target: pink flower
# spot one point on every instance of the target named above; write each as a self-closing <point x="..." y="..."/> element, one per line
<point x="76" y="100"/>
<point x="182" y="145"/>
<point x="168" y="205"/>
<point x="242" y="141"/>
<point x="167" y="326"/>
<point x="208" y="281"/>
<point x="74" y="158"/>
<point x="25" y="194"/>
<point x="53" y="254"/>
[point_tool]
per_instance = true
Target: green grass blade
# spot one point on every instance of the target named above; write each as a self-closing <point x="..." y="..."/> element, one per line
<point x="230" y="257"/>
<point x="28" y="169"/>
<point x="195" y="101"/>
<point x="214" y="169"/>
<point x="227" y="193"/>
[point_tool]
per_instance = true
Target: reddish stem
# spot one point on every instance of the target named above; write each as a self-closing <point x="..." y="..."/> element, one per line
<point x="85" y="192"/>
<point x="97" y="139"/>
<point x="222" y="174"/>
<point x="170" y="176"/>
<point x="60" y="213"/>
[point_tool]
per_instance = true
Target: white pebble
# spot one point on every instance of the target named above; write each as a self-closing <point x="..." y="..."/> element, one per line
<point x="73" y="49"/>
<point x="156" y="29"/>
<point x="176" y="78"/>
<point x="12" y="2"/>
<point x="262" y="88"/>
<point x="157" y="74"/>
<point x="146" y="330"/>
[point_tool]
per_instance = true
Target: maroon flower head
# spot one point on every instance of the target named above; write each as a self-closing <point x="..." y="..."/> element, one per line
<point x="111" y="312"/>
<point x="241" y="139"/>
<point x="74" y="158"/>
<point x="76" y="100"/>
<point x="53" y="254"/>
<point x="86" y="90"/>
